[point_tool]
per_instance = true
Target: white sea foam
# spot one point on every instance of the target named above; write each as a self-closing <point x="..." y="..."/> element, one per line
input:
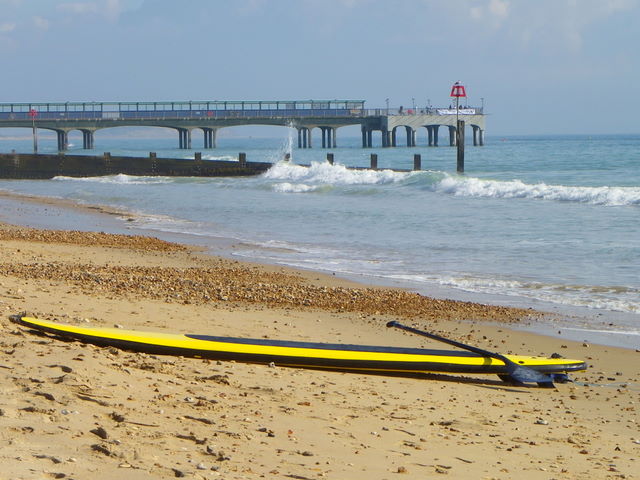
<point x="617" y="299"/>
<point x="300" y="179"/>
<point x="476" y="187"/>
<point x="287" y="187"/>
<point x="225" y="158"/>
<point x="117" y="179"/>
<point x="608" y="332"/>
<point x="297" y="178"/>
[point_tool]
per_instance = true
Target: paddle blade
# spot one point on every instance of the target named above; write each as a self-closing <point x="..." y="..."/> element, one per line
<point x="524" y="374"/>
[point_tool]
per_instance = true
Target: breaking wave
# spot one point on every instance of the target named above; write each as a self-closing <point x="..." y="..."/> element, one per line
<point x="318" y="176"/>
<point x="476" y="187"/>
<point x="302" y="179"/>
<point x="117" y="179"/>
<point x="613" y="298"/>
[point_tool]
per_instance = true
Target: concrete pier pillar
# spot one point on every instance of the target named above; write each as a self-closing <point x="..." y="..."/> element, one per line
<point x="481" y="137"/>
<point x="87" y="139"/>
<point x="209" y="137"/>
<point x="304" y="137"/>
<point x="435" y="129"/>
<point x="411" y="137"/>
<point x="328" y="137"/>
<point x="430" y="135"/>
<point x="184" y="138"/>
<point x="452" y="136"/>
<point x="475" y="135"/>
<point x="63" y="140"/>
<point x="369" y="138"/>
<point x="394" y="137"/>
<point x="366" y="137"/>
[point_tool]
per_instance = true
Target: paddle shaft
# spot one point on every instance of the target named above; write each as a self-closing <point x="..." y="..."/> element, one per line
<point x="519" y="373"/>
<point x="433" y="336"/>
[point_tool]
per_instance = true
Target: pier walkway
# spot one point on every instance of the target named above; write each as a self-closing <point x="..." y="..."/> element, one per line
<point x="210" y="116"/>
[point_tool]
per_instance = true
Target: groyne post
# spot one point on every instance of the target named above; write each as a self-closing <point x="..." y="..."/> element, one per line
<point x="198" y="161"/>
<point x="374" y="161"/>
<point x="107" y="162"/>
<point x="242" y="158"/>
<point x="460" y="144"/>
<point x="330" y="158"/>
<point x="417" y="162"/>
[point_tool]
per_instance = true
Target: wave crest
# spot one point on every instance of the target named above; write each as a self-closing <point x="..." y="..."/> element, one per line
<point x="476" y="187"/>
<point x="298" y="178"/>
<point x="120" y="178"/>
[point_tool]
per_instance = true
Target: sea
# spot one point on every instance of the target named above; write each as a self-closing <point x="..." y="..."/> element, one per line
<point x="550" y="223"/>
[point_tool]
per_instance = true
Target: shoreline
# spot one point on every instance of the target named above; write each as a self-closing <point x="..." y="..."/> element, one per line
<point x="553" y="320"/>
<point x="76" y="410"/>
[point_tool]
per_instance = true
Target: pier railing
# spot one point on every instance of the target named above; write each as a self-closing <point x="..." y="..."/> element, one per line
<point x="208" y="110"/>
<point x="377" y="112"/>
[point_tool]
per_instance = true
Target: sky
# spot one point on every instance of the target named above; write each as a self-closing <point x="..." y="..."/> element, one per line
<point x="539" y="67"/>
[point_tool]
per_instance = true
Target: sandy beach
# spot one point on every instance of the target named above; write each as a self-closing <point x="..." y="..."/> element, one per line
<point x="72" y="410"/>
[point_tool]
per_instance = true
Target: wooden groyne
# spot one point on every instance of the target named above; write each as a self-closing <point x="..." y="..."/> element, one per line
<point x="28" y="166"/>
<point x="42" y="166"/>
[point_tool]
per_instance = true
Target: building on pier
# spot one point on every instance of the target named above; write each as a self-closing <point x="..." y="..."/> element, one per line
<point x="210" y="116"/>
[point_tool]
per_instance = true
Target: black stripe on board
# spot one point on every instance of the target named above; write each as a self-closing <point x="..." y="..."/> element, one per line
<point x="333" y="346"/>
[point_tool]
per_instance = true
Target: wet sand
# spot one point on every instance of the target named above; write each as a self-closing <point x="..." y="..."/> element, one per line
<point x="71" y="410"/>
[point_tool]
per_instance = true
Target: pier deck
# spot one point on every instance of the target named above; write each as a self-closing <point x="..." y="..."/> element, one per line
<point x="210" y="116"/>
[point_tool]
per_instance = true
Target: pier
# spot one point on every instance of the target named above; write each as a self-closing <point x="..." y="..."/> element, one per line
<point x="185" y="117"/>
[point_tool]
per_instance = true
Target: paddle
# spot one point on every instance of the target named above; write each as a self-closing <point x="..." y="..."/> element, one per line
<point x="518" y="373"/>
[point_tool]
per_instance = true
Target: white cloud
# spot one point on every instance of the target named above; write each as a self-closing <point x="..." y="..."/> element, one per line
<point x="78" y="7"/>
<point x="499" y="8"/>
<point x="493" y="12"/>
<point x="41" y="23"/>
<point x="561" y="23"/>
<point x="7" y="27"/>
<point x="110" y="9"/>
<point x="10" y="3"/>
